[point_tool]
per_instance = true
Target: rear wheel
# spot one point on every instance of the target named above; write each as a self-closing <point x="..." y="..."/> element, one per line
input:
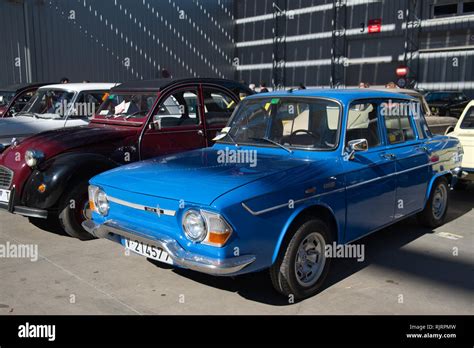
<point x="302" y="266"/>
<point x="436" y="208"/>
<point x="74" y="210"/>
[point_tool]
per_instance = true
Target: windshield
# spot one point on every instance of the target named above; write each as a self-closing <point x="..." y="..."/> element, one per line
<point x="48" y="103"/>
<point x="468" y="120"/>
<point x="308" y="123"/>
<point x="127" y="106"/>
<point x="445" y="97"/>
<point x="6" y="97"/>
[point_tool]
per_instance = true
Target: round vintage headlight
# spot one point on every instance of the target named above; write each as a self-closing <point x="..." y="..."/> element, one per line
<point x="102" y="203"/>
<point x="33" y="157"/>
<point x="194" y="226"/>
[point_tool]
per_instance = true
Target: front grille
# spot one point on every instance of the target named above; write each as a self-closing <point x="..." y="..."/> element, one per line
<point x="6" y="178"/>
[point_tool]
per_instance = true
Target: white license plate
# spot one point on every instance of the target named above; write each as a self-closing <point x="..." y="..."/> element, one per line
<point x="149" y="251"/>
<point x="5" y="196"/>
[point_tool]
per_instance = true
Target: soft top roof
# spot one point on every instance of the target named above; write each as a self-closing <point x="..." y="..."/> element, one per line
<point x="160" y="84"/>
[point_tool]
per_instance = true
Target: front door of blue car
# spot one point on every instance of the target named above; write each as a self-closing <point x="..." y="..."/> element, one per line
<point x="411" y="153"/>
<point x="370" y="175"/>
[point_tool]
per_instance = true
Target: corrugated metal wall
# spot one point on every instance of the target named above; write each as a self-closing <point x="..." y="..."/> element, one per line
<point x="116" y="40"/>
<point x="446" y="44"/>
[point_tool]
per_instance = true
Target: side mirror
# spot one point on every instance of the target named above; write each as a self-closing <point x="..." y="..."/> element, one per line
<point x="358" y="145"/>
<point x="450" y="129"/>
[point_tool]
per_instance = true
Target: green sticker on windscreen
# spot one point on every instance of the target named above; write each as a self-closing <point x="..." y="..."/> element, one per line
<point x="275" y="101"/>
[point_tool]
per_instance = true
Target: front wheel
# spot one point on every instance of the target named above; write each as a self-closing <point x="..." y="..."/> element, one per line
<point x="436" y="208"/>
<point x="74" y="209"/>
<point x="302" y="265"/>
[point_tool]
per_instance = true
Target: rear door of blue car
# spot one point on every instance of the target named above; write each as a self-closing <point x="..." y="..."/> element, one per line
<point x="406" y="142"/>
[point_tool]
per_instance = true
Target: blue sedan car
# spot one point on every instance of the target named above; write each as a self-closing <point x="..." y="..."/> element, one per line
<point x="294" y="174"/>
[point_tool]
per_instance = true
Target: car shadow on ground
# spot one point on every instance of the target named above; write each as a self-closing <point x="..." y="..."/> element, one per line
<point x="383" y="248"/>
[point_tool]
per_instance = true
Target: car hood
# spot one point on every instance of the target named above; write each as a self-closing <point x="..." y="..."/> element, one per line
<point x="57" y="141"/>
<point x="20" y="127"/>
<point x="195" y="177"/>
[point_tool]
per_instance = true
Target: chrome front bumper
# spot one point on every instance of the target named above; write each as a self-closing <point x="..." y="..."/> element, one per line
<point x="115" y="232"/>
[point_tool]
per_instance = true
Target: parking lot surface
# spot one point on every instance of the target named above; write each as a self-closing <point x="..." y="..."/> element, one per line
<point x="407" y="270"/>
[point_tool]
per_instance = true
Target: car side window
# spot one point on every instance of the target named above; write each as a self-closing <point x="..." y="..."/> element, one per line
<point x="87" y="104"/>
<point x="180" y="109"/>
<point x="363" y="123"/>
<point x="468" y="120"/>
<point x="21" y="101"/>
<point x="398" y="123"/>
<point x="218" y="107"/>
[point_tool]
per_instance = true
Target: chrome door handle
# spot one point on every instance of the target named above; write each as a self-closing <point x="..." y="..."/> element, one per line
<point x="389" y="156"/>
<point x="424" y="149"/>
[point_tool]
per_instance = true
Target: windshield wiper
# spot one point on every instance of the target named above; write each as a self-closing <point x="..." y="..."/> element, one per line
<point x="274" y="143"/>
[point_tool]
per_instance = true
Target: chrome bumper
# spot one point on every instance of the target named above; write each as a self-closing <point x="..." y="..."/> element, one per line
<point x="115" y="232"/>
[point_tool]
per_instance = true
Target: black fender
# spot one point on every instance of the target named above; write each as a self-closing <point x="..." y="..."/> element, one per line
<point x="60" y="172"/>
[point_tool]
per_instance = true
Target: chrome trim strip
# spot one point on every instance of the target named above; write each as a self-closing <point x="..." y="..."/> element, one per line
<point x="156" y="210"/>
<point x="114" y="231"/>
<point x="256" y="213"/>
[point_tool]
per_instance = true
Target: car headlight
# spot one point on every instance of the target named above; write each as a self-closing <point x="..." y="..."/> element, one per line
<point x="205" y="227"/>
<point x="33" y="158"/>
<point x="98" y="201"/>
<point x="194" y="226"/>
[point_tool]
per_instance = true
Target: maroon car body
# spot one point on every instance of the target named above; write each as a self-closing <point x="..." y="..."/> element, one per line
<point x="68" y="158"/>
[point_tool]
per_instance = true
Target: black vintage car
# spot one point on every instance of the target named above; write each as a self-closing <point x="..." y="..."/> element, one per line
<point x="447" y="103"/>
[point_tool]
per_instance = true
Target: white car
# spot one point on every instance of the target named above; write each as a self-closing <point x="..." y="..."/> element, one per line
<point x="53" y="107"/>
<point x="464" y="131"/>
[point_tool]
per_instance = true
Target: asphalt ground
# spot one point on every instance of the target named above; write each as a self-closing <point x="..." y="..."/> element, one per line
<point x="407" y="270"/>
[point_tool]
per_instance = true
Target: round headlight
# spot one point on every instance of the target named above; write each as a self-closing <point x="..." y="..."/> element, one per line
<point x="33" y="157"/>
<point x="102" y="203"/>
<point x="194" y="226"/>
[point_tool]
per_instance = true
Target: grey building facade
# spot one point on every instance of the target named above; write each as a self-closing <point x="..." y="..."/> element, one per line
<point x="114" y="40"/>
<point x="349" y="41"/>
<point x="282" y="42"/>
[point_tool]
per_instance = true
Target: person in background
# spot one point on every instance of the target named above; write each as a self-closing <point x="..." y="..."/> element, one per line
<point x="363" y="85"/>
<point x="391" y="85"/>
<point x="64" y="80"/>
<point x="301" y="86"/>
<point x="263" y="88"/>
<point x="252" y="87"/>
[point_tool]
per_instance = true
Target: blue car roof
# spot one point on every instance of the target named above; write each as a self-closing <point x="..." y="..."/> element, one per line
<point x="342" y="95"/>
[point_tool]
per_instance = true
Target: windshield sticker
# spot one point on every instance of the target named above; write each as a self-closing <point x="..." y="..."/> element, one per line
<point x="267" y="106"/>
<point x="275" y="101"/>
<point x="104" y="112"/>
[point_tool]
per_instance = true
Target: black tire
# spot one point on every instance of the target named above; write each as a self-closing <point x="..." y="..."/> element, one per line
<point x="428" y="217"/>
<point x="283" y="273"/>
<point x="51" y="224"/>
<point x="461" y="185"/>
<point x="70" y="215"/>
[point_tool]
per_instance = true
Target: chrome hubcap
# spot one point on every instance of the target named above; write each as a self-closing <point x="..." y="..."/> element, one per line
<point x="310" y="259"/>
<point x="440" y="199"/>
